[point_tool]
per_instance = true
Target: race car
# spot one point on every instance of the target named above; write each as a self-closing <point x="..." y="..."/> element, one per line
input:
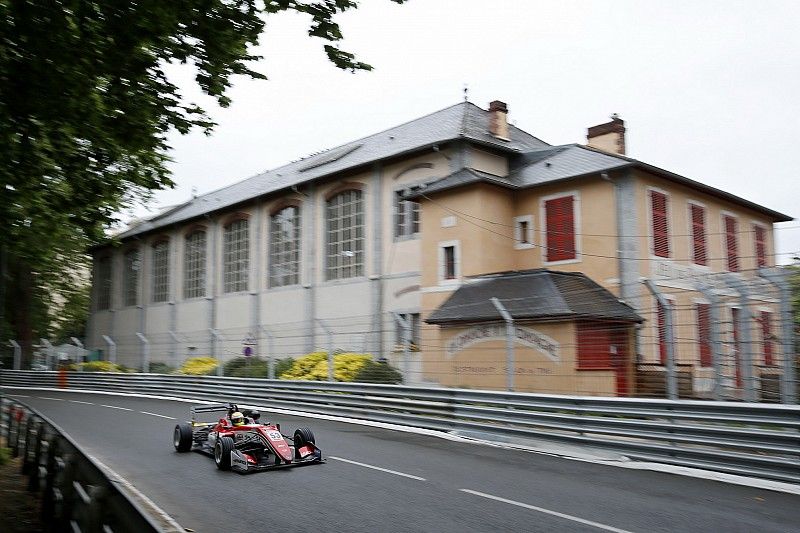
<point x="239" y="442"/>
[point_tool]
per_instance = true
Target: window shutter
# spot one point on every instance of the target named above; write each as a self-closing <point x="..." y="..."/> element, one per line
<point x="698" y="234"/>
<point x="766" y="335"/>
<point x="704" y="333"/>
<point x="658" y="203"/>
<point x="732" y="252"/>
<point x="761" y="246"/>
<point x="594" y="345"/>
<point x="560" y="221"/>
<point x="662" y="334"/>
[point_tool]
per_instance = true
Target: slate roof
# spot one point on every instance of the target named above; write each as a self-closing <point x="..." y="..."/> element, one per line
<point x="461" y="121"/>
<point x="537" y="295"/>
<point x="551" y="164"/>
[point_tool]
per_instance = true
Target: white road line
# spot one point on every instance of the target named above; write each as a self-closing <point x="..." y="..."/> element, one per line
<point x="78" y="401"/>
<point x="156" y="414"/>
<point x="20" y="396"/>
<point x="547" y="511"/>
<point x="115" y="407"/>
<point x="395" y="472"/>
<point x="47" y="398"/>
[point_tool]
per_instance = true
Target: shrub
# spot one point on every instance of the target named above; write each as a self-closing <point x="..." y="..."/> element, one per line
<point x="199" y="366"/>
<point x="102" y="366"/>
<point x="378" y="372"/>
<point x="161" y="368"/>
<point x="5" y="455"/>
<point x="237" y="367"/>
<point x="282" y="365"/>
<point x="314" y="366"/>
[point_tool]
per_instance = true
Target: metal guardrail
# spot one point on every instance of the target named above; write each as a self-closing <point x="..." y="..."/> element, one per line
<point x="748" y="439"/>
<point x="77" y="495"/>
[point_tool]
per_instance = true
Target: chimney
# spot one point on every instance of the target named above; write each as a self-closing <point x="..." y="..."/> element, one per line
<point x="498" y="119"/>
<point x="609" y="137"/>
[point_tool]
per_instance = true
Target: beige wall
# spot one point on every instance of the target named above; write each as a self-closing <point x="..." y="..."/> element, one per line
<point x="487" y="162"/>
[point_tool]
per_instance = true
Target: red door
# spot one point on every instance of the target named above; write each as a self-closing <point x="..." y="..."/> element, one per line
<point x="618" y="352"/>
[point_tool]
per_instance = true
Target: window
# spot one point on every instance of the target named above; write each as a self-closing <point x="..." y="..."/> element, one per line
<point x="736" y="347"/>
<point x="414" y="320"/>
<point x="698" y="216"/>
<point x="449" y="262"/>
<point x="760" y="233"/>
<point x="594" y="345"/>
<point x="523" y="232"/>
<point x="345" y="236"/>
<point x="766" y="338"/>
<point x="236" y="255"/>
<point x="560" y="232"/>
<point x="658" y="207"/>
<point x="731" y="246"/>
<point x="130" y="278"/>
<point x="662" y="335"/>
<point x="406" y="216"/>
<point x="284" y="247"/>
<point x="103" y="283"/>
<point x="194" y="265"/>
<point x="160" y="274"/>
<point x="704" y="333"/>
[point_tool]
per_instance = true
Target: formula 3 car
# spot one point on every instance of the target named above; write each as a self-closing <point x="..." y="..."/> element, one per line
<point x="248" y="447"/>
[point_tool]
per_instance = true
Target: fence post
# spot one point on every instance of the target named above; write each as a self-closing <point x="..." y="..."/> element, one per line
<point x="270" y="351"/>
<point x="145" y="352"/>
<point x="49" y="357"/>
<point x="175" y="342"/>
<point x="17" y="354"/>
<point x="510" y="333"/>
<point x="216" y="337"/>
<point x="745" y="342"/>
<point x="80" y="355"/>
<point x="780" y="280"/>
<point x="329" y="333"/>
<point x="669" y="334"/>
<point x="112" y="349"/>
<point x="716" y="337"/>
<point x="406" y="327"/>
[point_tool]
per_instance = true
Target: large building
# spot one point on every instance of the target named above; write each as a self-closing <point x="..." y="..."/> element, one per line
<point x="428" y="221"/>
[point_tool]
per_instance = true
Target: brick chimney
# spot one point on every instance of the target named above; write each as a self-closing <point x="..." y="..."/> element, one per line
<point x="609" y="137"/>
<point x="498" y="119"/>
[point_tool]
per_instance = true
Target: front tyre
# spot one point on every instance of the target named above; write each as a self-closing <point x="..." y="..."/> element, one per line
<point x="182" y="437"/>
<point x="222" y="453"/>
<point x="302" y="436"/>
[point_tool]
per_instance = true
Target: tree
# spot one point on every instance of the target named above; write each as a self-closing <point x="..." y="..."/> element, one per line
<point x="85" y="111"/>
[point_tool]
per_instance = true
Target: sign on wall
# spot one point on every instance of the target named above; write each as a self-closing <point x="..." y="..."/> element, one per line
<point x="497" y="332"/>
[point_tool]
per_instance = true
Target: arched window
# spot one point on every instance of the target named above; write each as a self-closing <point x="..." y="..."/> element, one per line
<point x="345" y="235"/>
<point x="284" y="247"/>
<point x="236" y="255"/>
<point x="194" y="265"/>
<point x="130" y="277"/>
<point x="160" y="271"/>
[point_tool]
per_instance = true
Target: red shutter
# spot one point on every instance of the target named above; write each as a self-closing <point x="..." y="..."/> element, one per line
<point x="698" y="234"/>
<point x="736" y="355"/>
<point x="732" y="249"/>
<point x="766" y="335"/>
<point x="704" y="333"/>
<point x="658" y="203"/>
<point x="594" y="345"/>
<point x="560" y="221"/>
<point x="761" y="246"/>
<point x="662" y="334"/>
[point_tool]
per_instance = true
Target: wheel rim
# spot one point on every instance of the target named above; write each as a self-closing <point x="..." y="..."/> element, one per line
<point x="177" y="437"/>
<point x="217" y="453"/>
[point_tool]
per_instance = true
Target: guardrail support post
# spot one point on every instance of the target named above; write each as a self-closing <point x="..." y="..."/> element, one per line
<point x="669" y="334"/>
<point x="406" y="327"/>
<point x="329" y="333"/>
<point x="270" y="352"/>
<point x="145" y="352"/>
<point x="215" y="338"/>
<point x="112" y="349"/>
<point x="80" y="355"/>
<point x="17" y="354"/>
<point x="788" y="384"/>
<point x="745" y="342"/>
<point x="510" y="334"/>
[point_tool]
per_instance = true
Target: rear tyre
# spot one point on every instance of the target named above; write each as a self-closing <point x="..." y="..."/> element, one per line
<point x="182" y="437"/>
<point x="222" y="453"/>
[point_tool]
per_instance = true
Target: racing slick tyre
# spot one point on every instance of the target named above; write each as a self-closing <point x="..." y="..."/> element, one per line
<point x="222" y="453"/>
<point x="302" y="436"/>
<point x="182" y="438"/>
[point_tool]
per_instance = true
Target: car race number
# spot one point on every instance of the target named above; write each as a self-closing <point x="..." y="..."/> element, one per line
<point x="274" y="435"/>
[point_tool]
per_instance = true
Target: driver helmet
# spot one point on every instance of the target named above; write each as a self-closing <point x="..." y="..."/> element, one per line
<point x="237" y="419"/>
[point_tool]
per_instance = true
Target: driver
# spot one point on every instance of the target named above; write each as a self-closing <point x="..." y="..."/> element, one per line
<point x="237" y="419"/>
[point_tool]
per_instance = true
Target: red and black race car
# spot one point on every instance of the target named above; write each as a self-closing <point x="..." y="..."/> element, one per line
<point x="239" y="442"/>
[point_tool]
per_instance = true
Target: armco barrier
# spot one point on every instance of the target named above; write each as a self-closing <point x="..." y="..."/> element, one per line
<point x="77" y="494"/>
<point x="748" y="439"/>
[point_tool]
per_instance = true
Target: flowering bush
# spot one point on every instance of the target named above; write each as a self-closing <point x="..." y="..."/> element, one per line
<point x="314" y="366"/>
<point x="199" y="366"/>
<point x="102" y="366"/>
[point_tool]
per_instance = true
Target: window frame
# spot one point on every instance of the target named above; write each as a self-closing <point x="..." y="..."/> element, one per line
<point x="651" y="218"/>
<point x="693" y="238"/>
<point x="353" y="210"/>
<point x="289" y="247"/>
<point x="705" y="347"/>
<point x="236" y="254"/>
<point x="159" y="279"/>
<point x="761" y="256"/>
<point x="402" y="228"/>
<point x="528" y="243"/>
<point x="130" y="277"/>
<point x="105" y="282"/>
<point x="194" y="277"/>
<point x="732" y="262"/>
<point x="456" y="279"/>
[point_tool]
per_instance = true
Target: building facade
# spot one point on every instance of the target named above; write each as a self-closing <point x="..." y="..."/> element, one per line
<point x="329" y="251"/>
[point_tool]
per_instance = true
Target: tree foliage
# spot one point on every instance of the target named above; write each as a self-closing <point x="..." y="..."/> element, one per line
<point x="86" y="109"/>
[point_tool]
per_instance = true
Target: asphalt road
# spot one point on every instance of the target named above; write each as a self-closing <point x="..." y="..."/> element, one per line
<point x="378" y="480"/>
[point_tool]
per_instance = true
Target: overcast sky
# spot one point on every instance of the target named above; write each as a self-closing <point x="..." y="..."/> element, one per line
<point x="708" y="89"/>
